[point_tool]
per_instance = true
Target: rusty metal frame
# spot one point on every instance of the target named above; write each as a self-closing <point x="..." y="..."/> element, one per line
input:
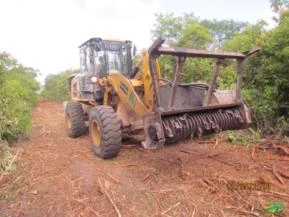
<point x="216" y="72"/>
<point x="181" y="53"/>
<point x="201" y="108"/>
<point x="189" y="52"/>
<point x="176" y="80"/>
<point x="240" y="70"/>
<point x="152" y="64"/>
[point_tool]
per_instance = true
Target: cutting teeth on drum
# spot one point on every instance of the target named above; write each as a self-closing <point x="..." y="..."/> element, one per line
<point x="192" y="125"/>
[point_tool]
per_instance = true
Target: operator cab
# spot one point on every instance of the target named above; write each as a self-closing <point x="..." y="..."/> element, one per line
<point x="100" y="57"/>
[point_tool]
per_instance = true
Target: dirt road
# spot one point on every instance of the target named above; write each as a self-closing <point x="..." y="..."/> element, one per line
<point x="59" y="176"/>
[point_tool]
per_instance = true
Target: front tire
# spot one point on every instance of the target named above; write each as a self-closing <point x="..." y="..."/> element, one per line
<point x="74" y="120"/>
<point x="105" y="131"/>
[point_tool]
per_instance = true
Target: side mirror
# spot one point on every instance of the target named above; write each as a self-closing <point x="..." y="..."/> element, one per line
<point x="134" y="50"/>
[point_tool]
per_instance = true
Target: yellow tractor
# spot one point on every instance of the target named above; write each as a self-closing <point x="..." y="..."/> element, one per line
<point x="112" y="98"/>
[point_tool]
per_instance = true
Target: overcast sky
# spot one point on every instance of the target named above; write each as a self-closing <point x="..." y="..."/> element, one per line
<point x="45" y="34"/>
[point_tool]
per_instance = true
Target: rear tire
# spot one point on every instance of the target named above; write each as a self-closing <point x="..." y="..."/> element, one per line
<point x="74" y="120"/>
<point x="105" y="131"/>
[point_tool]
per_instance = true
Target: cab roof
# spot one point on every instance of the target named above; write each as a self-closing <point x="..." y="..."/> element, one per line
<point x="92" y="41"/>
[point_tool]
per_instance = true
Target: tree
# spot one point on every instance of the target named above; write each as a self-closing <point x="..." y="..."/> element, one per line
<point x="183" y="31"/>
<point x="276" y="66"/>
<point x="169" y="26"/>
<point x="190" y="31"/>
<point x="279" y="5"/>
<point x="266" y="80"/>
<point x="17" y="97"/>
<point x="222" y="30"/>
<point x="56" y="85"/>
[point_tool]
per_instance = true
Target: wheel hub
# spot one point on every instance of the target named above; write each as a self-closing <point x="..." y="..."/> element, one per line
<point x="68" y="121"/>
<point x="95" y="133"/>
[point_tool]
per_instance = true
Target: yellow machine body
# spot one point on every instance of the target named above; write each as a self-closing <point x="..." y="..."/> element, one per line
<point x="166" y="111"/>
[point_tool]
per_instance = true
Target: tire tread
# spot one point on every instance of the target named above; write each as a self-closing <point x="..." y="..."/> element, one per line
<point x="110" y="131"/>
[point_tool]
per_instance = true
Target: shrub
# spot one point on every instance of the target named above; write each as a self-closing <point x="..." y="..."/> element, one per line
<point x="56" y="86"/>
<point x="17" y="97"/>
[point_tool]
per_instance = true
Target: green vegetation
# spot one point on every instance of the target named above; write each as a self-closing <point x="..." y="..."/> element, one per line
<point x="7" y="160"/>
<point x="17" y="97"/>
<point x="244" y="137"/>
<point x="56" y="86"/>
<point x="275" y="207"/>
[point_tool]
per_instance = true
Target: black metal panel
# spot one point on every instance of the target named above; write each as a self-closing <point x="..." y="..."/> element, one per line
<point x="186" y="97"/>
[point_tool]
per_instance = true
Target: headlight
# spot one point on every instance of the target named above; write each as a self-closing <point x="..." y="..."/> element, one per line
<point x="93" y="79"/>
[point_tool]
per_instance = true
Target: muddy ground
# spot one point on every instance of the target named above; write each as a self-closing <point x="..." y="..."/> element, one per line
<point x="59" y="176"/>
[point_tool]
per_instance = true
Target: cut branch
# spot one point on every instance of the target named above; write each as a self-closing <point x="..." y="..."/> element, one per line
<point x="109" y="198"/>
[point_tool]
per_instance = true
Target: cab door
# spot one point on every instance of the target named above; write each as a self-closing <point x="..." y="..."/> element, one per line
<point x="86" y="72"/>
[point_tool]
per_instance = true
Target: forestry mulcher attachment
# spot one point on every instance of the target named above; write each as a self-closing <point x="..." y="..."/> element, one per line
<point x="112" y="98"/>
